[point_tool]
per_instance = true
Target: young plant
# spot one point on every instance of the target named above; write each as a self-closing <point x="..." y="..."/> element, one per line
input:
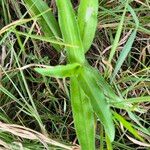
<point x="87" y="97"/>
<point x="89" y="92"/>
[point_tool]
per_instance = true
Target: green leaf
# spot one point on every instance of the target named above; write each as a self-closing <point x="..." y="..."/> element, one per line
<point x="118" y="34"/>
<point x="129" y="43"/>
<point x="126" y="49"/>
<point x="70" y="31"/>
<point x="83" y="116"/>
<point x="108" y="143"/>
<point x="131" y="10"/>
<point x="60" y="71"/>
<point x="98" y="101"/>
<point x="107" y="89"/>
<point x="45" y="39"/>
<point x="87" y="20"/>
<point x="135" y="100"/>
<point x="127" y="125"/>
<point x="47" y="21"/>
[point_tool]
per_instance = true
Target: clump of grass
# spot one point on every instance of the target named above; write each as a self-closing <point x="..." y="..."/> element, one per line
<point x="45" y="107"/>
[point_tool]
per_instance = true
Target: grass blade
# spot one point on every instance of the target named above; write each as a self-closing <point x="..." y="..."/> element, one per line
<point x="129" y="43"/>
<point x="127" y="125"/>
<point x="60" y="71"/>
<point x="118" y="34"/>
<point x="43" y="38"/>
<point x="70" y="31"/>
<point x="47" y="21"/>
<point x="124" y="53"/>
<point x="83" y="116"/>
<point x="135" y="100"/>
<point x="131" y="10"/>
<point x="87" y="20"/>
<point x="98" y="101"/>
<point x="108" y="143"/>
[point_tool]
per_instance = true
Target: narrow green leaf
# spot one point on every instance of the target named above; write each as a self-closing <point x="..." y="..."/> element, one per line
<point x="60" y="71"/>
<point x="87" y="20"/>
<point x="47" y="21"/>
<point x="70" y="31"/>
<point x="108" y="143"/>
<point x="83" y="116"/>
<point x="126" y="49"/>
<point x="131" y="10"/>
<point x="135" y="100"/>
<point x="45" y="39"/>
<point x="118" y="34"/>
<point x="127" y="125"/>
<point x="5" y="91"/>
<point x="107" y="89"/>
<point x="135" y="118"/>
<point x="140" y="122"/>
<point x="98" y="101"/>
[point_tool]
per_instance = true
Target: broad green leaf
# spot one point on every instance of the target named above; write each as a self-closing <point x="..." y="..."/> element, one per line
<point x="98" y="101"/>
<point x="47" y="21"/>
<point x="127" y="125"/>
<point x="60" y="71"/>
<point x="70" y="31"/>
<point x="126" y="49"/>
<point x="83" y="116"/>
<point x="87" y="20"/>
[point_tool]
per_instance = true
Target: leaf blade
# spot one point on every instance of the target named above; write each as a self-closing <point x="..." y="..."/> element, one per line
<point x="98" y="101"/>
<point x="47" y="20"/>
<point x="83" y="116"/>
<point x="126" y="49"/>
<point x="70" y="31"/>
<point x="87" y="20"/>
<point x="60" y="71"/>
<point x="127" y="125"/>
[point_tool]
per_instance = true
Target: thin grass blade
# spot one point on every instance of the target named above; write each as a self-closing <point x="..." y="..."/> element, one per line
<point x="47" y="21"/>
<point x="118" y="34"/>
<point x="137" y="120"/>
<point x="43" y="38"/>
<point x="131" y="10"/>
<point x="126" y="49"/>
<point x="135" y="100"/>
<point x="127" y="125"/>
<point x="129" y="43"/>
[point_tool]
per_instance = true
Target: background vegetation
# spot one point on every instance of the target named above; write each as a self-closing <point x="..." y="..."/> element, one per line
<point x="35" y="111"/>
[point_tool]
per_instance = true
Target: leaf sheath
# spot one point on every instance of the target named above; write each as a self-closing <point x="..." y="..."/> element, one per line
<point x="83" y="116"/>
<point x="98" y="101"/>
